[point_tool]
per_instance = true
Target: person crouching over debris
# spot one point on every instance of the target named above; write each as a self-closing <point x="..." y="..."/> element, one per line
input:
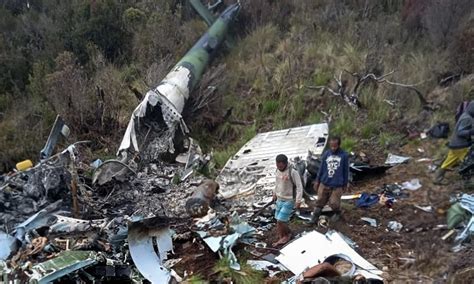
<point x="332" y="179"/>
<point x="288" y="193"/>
<point x="459" y="144"/>
<point x="202" y="199"/>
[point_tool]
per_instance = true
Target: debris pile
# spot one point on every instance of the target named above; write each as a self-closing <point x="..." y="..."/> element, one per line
<point x="460" y="216"/>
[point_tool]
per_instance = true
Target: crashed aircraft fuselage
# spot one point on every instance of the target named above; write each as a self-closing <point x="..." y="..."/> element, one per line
<point x="160" y="111"/>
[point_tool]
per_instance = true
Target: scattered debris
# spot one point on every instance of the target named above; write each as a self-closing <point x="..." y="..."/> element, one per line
<point x="224" y="243"/>
<point x="395" y="159"/>
<point x="7" y="245"/>
<point x="263" y="265"/>
<point x="143" y="236"/>
<point x="59" y="129"/>
<point x="372" y="222"/>
<point x="467" y="203"/>
<point x="395" y="226"/>
<point x="394" y="191"/>
<point x="65" y="263"/>
<point x="413" y="184"/>
<point x="194" y="160"/>
<point x="428" y="208"/>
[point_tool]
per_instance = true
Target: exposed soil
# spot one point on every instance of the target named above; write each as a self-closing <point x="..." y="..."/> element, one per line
<point x="416" y="254"/>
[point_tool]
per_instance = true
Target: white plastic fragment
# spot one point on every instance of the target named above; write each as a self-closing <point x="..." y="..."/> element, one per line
<point x="395" y="226"/>
<point x="395" y="159"/>
<point x="372" y="222"/>
<point x="263" y="265"/>
<point x="413" y="184"/>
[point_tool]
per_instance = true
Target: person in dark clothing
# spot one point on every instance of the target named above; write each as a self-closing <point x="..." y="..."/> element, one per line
<point x="332" y="179"/>
<point x="459" y="144"/>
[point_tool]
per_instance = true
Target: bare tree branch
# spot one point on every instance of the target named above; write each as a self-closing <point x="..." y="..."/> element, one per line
<point x="353" y="97"/>
<point x="324" y="88"/>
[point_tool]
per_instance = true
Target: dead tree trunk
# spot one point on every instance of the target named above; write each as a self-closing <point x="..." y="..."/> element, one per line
<point x="352" y="96"/>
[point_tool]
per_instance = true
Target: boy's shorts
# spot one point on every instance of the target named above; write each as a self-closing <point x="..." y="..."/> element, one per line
<point x="283" y="210"/>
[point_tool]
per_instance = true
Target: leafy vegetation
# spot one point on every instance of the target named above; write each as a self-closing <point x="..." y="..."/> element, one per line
<point x="246" y="274"/>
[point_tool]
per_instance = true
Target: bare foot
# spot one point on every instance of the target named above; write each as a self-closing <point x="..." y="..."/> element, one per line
<point x="279" y="242"/>
<point x="282" y="241"/>
<point x="285" y="239"/>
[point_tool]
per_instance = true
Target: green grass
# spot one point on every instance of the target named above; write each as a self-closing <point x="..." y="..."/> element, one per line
<point x="221" y="156"/>
<point x="270" y="107"/>
<point x="195" y="279"/>
<point x="348" y="143"/>
<point x="246" y="274"/>
<point x="344" y="124"/>
<point x="368" y="130"/>
<point x="387" y="139"/>
<point x="322" y="78"/>
<point x="296" y="111"/>
<point x="314" y="117"/>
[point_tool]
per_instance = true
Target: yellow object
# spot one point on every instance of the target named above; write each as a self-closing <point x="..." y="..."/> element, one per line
<point x="24" y="165"/>
<point x="455" y="156"/>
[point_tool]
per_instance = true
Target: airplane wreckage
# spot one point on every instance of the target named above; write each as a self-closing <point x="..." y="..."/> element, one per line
<point x="61" y="224"/>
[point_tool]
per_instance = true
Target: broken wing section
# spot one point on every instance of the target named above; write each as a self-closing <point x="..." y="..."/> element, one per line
<point x="253" y="166"/>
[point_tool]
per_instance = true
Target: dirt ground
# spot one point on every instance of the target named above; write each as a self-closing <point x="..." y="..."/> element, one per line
<point x="416" y="254"/>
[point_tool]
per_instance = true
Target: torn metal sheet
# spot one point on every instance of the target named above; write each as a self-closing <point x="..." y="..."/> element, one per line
<point x="65" y="224"/>
<point x="143" y="236"/>
<point x="194" y="159"/>
<point x="395" y="159"/>
<point x="109" y="170"/>
<point x="314" y="247"/>
<point x="7" y="245"/>
<point x="372" y="222"/>
<point x="59" y="128"/>
<point x="253" y="166"/>
<point x="467" y="202"/>
<point x="43" y="218"/>
<point x="224" y="244"/>
<point x="227" y="245"/>
<point x="263" y="265"/>
<point x="65" y="263"/>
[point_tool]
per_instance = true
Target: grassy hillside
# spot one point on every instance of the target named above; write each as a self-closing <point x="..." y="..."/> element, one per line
<point x="58" y="58"/>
